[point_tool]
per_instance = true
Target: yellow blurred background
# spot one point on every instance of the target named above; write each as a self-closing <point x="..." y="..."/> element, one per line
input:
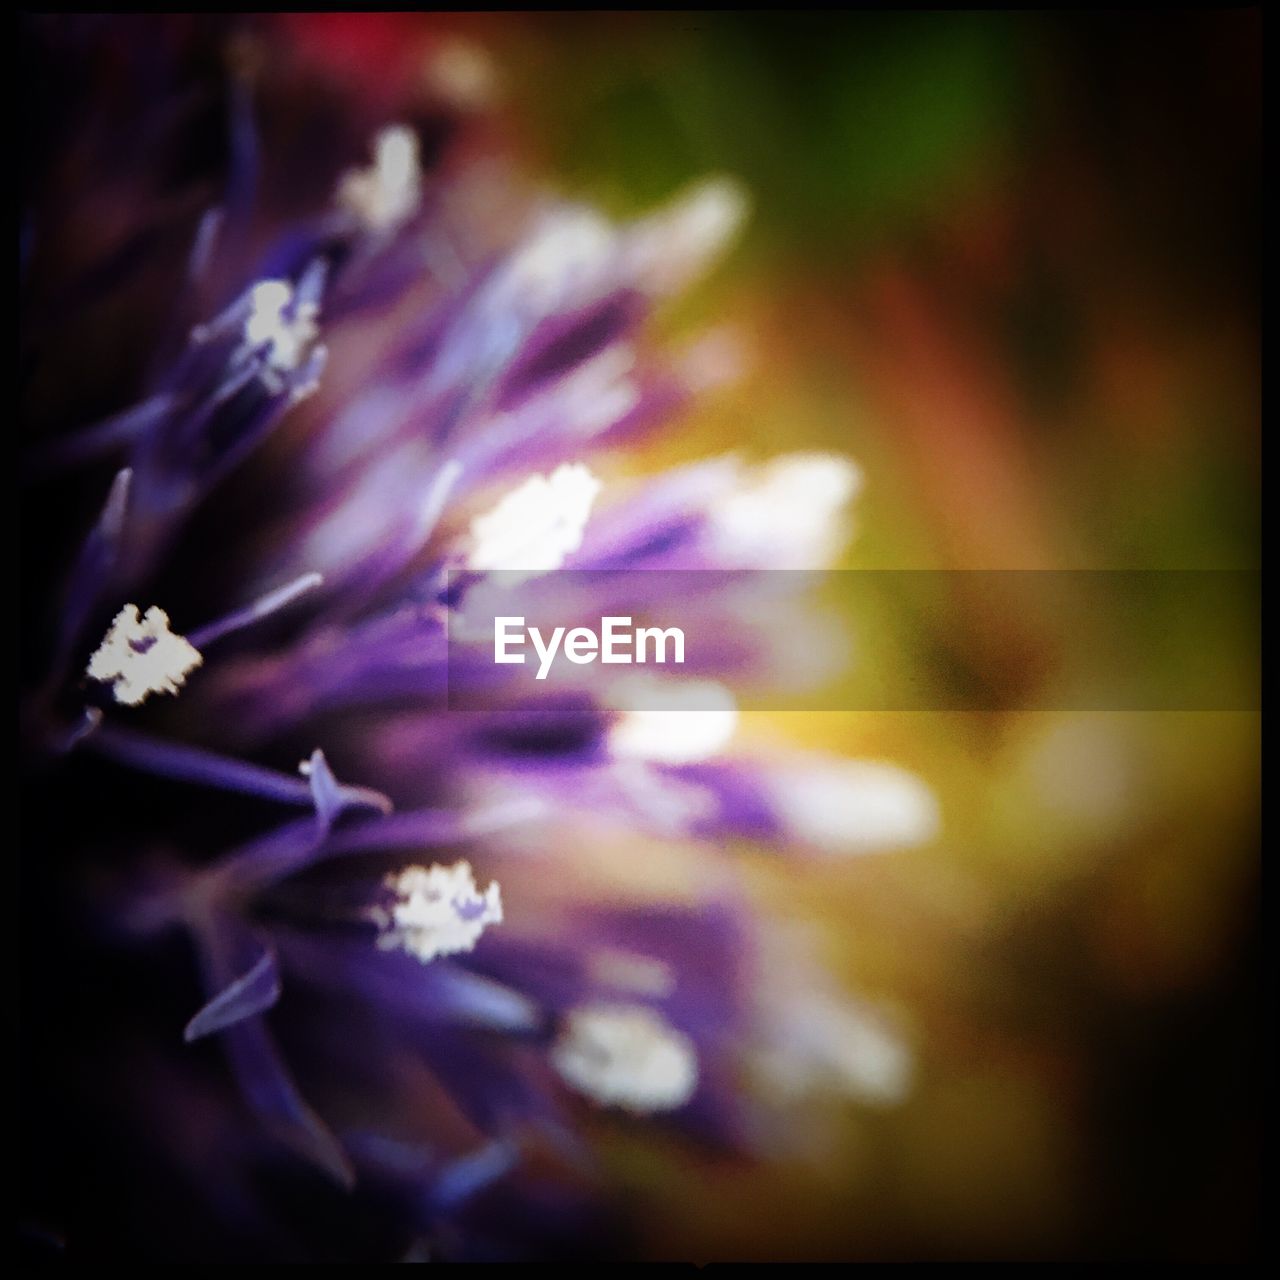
<point x="1009" y="263"/>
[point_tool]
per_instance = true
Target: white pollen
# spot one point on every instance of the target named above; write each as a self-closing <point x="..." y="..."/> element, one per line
<point x="536" y="526"/>
<point x="855" y="806"/>
<point x="675" y="245"/>
<point x="815" y="1038"/>
<point x="865" y="1056"/>
<point x="790" y="514"/>
<point x="439" y="911"/>
<point x="626" y="1056"/>
<point x="388" y="192"/>
<point x="821" y="1041"/>
<point x="562" y="261"/>
<point x="463" y="74"/>
<point x="140" y="656"/>
<point x="275" y="323"/>
<point x="695" y="720"/>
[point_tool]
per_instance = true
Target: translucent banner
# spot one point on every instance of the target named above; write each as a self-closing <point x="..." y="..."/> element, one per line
<point x="874" y="640"/>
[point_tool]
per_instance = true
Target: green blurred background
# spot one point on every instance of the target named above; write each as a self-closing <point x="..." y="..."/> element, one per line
<point x="1010" y="263"/>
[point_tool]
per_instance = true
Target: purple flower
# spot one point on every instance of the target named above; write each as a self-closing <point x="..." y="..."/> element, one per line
<point x="430" y="947"/>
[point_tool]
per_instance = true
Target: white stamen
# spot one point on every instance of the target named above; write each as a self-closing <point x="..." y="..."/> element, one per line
<point x="536" y="526"/>
<point x="463" y="74"/>
<point x="864" y="1054"/>
<point x="626" y="1056"/>
<point x="823" y="1042"/>
<point x="672" y="247"/>
<point x="286" y="331"/>
<point x="140" y="656"/>
<point x="388" y="192"/>
<point x="855" y="806"/>
<point x="695" y="721"/>
<point x="815" y="1037"/>
<point x="789" y="514"/>
<point x="440" y="911"/>
<point x="563" y="261"/>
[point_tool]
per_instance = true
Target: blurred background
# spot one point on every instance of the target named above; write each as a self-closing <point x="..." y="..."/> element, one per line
<point x="1010" y="264"/>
